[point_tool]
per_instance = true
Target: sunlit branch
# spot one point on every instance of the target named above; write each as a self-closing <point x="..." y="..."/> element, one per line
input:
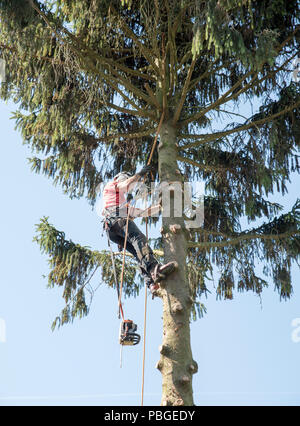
<point x="217" y="135"/>
<point x="242" y="238"/>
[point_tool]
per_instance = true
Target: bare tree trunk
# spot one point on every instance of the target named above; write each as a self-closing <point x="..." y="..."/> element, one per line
<point x="176" y="363"/>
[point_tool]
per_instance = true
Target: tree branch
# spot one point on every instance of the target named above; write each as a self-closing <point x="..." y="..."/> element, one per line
<point x="226" y="96"/>
<point x="241" y="238"/>
<point x="220" y="101"/>
<point x="202" y="166"/>
<point x="137" y="113"/>
<point x="184" y="92"/>
<point x="214" y="136"/>
<point x="194" y="82"/>
<point x="152" y="96"/>
<point x="95" y="57"/>
<point x="127" y="135"/>
<point x="130" y="34"/>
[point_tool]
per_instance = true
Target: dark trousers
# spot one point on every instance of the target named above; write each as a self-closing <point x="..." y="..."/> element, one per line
<point x="136" y="244"/>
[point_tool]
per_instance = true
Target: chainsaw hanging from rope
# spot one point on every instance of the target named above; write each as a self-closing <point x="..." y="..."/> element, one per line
<point x="128" y="335"/>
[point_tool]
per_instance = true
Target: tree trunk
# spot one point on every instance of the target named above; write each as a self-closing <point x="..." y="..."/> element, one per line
<point x="176" y="363"/>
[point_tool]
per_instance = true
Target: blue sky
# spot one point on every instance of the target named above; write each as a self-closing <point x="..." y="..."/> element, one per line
<point x="244" y="348"/>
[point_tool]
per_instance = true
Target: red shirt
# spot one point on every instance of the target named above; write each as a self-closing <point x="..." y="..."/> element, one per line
<point x="112" y="195"/>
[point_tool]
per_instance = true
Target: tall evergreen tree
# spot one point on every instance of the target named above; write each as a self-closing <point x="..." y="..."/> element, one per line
<point x="93" y="79"/>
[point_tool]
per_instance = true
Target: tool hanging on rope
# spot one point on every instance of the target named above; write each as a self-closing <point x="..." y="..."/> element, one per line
<point x="128" y="335"/>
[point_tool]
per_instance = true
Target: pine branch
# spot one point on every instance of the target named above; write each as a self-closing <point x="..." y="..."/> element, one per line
<point x="109" y="79"/>
<point x="222" y="100"/>
<point x="136" y="135"/>
<point x="127" y="30"/>
<point x="287" y="225"/>
<point x="230" y="95"/>
<point x="204" y="167"/>
<point x="205" y="138"/>
<point x="184" y="92"/>
<point x="72" y="267"/>
<point x="152" y="96"/>
<point x="187" y="57"/>
<point x="242" y="238"/>
<point x="209" y="71"/>
<point x="135" y="112"/>
<point x="85" y="50"/>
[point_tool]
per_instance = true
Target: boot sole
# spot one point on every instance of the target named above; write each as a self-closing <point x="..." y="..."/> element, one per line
<point x="165" y="272"/>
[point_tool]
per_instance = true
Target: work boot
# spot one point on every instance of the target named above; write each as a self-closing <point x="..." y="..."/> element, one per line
<point x="160" y="272"/>
<point x="153" y="289"/>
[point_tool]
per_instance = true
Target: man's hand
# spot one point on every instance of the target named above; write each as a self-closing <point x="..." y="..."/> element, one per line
<point x="134" y="212"/>
<point x="128" y="184"/>
<point x="150" y="211"/>
<point x="145" y="170"/>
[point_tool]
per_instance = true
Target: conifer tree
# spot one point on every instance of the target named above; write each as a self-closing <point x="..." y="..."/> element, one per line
<point x="93" y="79"/>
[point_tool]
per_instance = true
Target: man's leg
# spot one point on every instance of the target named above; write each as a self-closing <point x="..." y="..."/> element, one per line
<point x="143" y="252"/>
<point x="146" y="257"/>
<point x="117" y="235"/>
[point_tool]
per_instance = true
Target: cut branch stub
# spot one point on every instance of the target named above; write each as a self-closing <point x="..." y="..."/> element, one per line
<point x="164" y="350"/>
<point x="193" y="367"/>
<point x="184" y="380"/>
<point x="159" y="365"/>
<point x="177" y="307"/>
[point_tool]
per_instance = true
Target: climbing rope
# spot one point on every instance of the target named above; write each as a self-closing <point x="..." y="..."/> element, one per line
<point x="145" y="321"/>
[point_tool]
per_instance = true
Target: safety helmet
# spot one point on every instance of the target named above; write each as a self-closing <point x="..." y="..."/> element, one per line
<point x="121" y="176"/>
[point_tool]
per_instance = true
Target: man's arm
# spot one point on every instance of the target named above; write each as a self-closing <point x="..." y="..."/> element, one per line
<point x="128" y="184"/>
<point x="149" y="211"/>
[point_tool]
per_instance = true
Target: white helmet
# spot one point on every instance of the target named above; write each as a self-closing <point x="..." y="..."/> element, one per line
<point x="121" y="176"/>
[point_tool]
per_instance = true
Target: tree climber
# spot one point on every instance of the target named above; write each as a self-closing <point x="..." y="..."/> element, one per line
<point x="116" y="211"/>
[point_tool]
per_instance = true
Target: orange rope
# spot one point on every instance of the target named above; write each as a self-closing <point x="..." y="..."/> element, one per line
<point x="145" y="320"/>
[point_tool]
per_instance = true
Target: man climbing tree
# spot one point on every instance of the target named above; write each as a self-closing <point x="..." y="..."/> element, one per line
<point x="122" y="230"/>
<point x="94" y="79"/>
